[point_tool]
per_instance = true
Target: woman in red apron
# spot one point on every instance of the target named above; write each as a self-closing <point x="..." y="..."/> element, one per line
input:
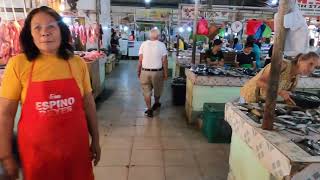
<point x="57" y="115"/>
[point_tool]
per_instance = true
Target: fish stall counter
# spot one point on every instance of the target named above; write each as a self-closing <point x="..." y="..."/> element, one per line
<point x="222" y="89"/>
<point x="290" y="151"/>
<point x="182" y="61"/>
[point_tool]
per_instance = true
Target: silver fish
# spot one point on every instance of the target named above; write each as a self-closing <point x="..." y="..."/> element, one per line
<point x="298" y="113"/>
<point x="285" y="117"/>
<point x="287" y="121"/>
<point x="313" y="130"/>
<point x="294" y="132"/>
<point x="279" y="124"/>
<point x="243" y="108"/>
<point x="311" y="112"/>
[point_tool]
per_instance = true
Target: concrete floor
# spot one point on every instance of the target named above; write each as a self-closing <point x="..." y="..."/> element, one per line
<point x="162" y="148"/>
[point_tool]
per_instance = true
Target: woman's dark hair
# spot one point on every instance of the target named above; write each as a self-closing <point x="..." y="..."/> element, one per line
<point x="217" y="42"/>
<point x="235" y="42"/>
<point x="304" y="57"/>
<point x="250" y="39"/>
<point x="26" y="40"/>
<point x="248" y="45"/>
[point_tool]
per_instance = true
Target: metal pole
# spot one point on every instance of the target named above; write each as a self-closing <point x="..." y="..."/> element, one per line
<point x="276" y="62"/>
<point x="194" y="47"/>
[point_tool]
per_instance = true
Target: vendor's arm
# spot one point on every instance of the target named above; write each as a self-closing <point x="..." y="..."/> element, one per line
<point x="263" y="83"/>
<point x="254" y="65"/>
<point x="221" y="62"/>
<point x="236" y="61"/>
<point x="91" y="115"/>
<point x="8" y="109"/>
<point x="10" y="92"/>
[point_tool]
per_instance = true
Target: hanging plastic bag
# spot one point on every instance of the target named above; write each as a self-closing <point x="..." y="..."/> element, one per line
<point x="202" y="27"/>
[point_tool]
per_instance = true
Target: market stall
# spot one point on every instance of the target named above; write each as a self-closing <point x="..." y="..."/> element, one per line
<point x="182" y="61"/>
<point x="222" y="89"/>
<point x="96" y="63"/>
<point x="274" y="140"/>
<point x="265" y="155"/>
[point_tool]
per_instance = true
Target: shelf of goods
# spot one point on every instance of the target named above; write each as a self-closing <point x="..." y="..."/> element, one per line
<point x="265" y="155"/>
<point x="221" y="89"/>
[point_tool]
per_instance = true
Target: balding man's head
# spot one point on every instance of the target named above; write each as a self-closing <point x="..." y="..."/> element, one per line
<point x="154" y="34"/>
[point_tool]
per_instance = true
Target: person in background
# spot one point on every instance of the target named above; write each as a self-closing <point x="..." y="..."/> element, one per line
<point x="100" y="34"/>
<point x="214" y="55"/>
<point x="268" y="60"/>
<point x="114" y="43"/>
<point x="58" y="108"/>
<point x="247" y="58"/>
<point x="152" y="70"/>
<point x="132" y="37"/>
<point x="236" y="45"/>
<point x="257" y="51"/>
<point x="255" y="89"/>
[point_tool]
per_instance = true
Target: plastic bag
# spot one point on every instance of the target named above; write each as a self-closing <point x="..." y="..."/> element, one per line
<point x="202" y="27"/>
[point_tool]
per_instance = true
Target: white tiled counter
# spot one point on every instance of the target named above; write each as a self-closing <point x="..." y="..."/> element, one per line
<point x="265" y="155"/>
<point x="219" y="89"/>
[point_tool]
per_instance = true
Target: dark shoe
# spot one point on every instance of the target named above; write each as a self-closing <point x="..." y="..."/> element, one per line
<point x="149" y="113"/>
<point x="156" y="106"/>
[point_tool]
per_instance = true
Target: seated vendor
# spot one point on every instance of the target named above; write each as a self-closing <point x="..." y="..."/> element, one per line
<point x="246" y="59"/>
<point x="215" y="55"/>
<point x="255" y="89"/>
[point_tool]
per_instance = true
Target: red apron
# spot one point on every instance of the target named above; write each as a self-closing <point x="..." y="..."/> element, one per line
<point x="52" y="133"/>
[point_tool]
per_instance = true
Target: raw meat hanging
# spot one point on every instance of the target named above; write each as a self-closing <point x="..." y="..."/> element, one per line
<point x="83" y="35"/>
<point x="9" y="40"/>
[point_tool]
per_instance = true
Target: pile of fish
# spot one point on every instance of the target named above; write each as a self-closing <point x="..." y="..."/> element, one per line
<point x="204" y="70"/>
<point x="311" y="146"/>
<point x="288" y="118"/>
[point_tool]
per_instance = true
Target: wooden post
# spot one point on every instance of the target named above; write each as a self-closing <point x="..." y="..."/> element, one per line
<point x="194" y="46"/>
<point x="277" y="56"/>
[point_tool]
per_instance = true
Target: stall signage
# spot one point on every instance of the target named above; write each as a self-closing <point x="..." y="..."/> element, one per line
<point x="187" y="12"/>
<point x="153" y="14"/>
<point x="310" y="4"/>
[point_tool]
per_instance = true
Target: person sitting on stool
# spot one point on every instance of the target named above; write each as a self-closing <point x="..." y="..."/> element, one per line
<point x="152" y="70"/>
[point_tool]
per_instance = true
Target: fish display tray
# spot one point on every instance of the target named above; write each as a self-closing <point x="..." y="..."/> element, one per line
<point x="274" y="149"/>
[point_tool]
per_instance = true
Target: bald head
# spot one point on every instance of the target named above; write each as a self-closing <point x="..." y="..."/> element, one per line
<point x="154" y="34"/>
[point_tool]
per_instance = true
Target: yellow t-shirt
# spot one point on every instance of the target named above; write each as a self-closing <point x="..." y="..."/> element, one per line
<point x="16" y="76"/>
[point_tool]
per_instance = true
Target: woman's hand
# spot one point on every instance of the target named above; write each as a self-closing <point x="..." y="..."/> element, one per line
<point x="286" y="96"/>
<point x="96" y="152"/>
<point x="10" y="168"/>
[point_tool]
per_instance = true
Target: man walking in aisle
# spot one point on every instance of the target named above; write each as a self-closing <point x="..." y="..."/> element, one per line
<point x="152" y="70"/>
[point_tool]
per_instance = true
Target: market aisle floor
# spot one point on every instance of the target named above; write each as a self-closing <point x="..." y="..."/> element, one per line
<point x="162" y="148"/>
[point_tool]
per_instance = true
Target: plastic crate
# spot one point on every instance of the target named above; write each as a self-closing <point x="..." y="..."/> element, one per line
<point x="215" y="128"/>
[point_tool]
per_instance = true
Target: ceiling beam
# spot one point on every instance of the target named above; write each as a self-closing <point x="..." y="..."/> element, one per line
<point x="158" y="5"/>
